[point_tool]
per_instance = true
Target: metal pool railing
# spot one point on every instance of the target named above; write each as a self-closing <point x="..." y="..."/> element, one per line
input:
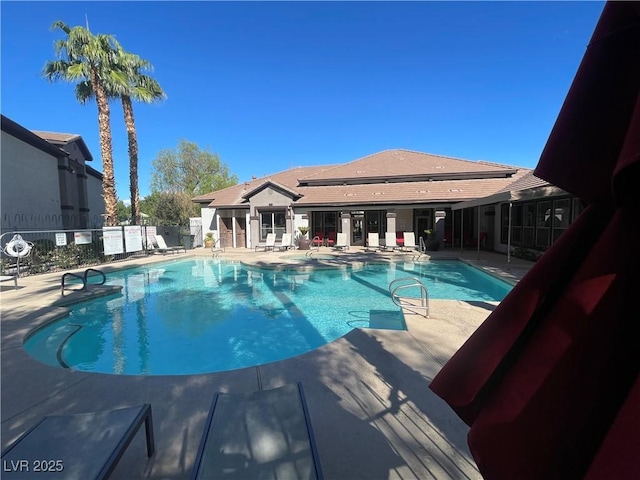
<point x="400" y="284"/>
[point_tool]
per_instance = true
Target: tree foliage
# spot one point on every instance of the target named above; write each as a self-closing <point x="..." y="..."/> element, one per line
<point x="169" y="208"/>
<point x="190" y="170"/>
<point x="83" y="57"/>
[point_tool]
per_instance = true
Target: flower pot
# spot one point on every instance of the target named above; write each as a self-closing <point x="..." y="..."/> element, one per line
<point x="304" y="243"/>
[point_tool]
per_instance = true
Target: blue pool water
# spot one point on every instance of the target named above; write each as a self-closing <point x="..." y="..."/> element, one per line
<point x="199" y="316"/>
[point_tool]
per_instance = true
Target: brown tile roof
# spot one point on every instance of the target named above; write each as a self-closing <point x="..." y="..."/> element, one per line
<point x="406" y="165"/>
<point x="529" y="180"/>
<point x="58" y="139"/>
<point x="323" y="191"/>
<point x="234" y="195"/>
<point x="444" y="191"/>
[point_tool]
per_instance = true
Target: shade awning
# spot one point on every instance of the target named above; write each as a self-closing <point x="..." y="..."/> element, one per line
<point x="548" y="382"/>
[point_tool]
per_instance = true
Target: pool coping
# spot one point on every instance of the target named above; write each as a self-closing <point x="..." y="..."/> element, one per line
<point x="352" y="386"/>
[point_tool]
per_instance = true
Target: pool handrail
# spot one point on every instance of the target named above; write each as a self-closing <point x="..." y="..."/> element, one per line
<point x="410" y="282"/>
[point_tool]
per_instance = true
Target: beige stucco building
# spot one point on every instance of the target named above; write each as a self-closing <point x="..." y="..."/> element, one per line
<point x="46" y="182"/>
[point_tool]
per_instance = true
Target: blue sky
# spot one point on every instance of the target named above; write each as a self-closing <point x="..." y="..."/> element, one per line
<point x="273" y="85"/>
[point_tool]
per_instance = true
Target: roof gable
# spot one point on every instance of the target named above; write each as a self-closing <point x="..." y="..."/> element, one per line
<point x="61" y="139"/>
<point x="275" y="186"/>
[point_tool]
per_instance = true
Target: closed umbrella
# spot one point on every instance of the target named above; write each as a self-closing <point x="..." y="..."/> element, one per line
<point x="549" y="383"/>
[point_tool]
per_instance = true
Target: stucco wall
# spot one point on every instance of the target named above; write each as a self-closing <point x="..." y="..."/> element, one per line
<point x="95" y="203"/>
<point x="268" y="198"/>
<point x="404" y="220"/>
<point x="29" y="183"/>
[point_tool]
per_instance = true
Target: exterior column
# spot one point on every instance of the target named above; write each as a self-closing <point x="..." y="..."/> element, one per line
<point x="439" y="224"/>
<point x="255" y="230"/>
<point x="345" y="220"/>
<point x="391" y="222"/>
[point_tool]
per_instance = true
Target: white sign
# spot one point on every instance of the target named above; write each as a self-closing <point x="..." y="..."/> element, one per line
<point x="61" y="239"/>
<point x="112" y="238"/>
<point x="133" y="238"/>
<point x="82" y="237"/>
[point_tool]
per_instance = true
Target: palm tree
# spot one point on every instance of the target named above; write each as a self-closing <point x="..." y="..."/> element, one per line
<point x="128" y="82"/>
<point x="84" y="57"/>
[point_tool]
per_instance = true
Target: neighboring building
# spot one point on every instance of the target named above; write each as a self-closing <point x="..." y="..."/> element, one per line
<point x="390" y="191"/>
<point x="45" y="182"/>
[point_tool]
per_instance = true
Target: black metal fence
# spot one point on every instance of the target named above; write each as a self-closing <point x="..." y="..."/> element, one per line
<point x="58" y="250"/>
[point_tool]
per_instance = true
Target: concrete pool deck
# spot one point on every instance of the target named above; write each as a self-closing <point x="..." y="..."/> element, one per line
<point x="373" y="414"/>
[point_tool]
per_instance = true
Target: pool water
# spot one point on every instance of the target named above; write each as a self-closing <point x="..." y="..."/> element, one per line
<point x="200" y="316"/>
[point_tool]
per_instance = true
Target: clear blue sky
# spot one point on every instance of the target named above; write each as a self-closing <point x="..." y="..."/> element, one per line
<point x="272" y="85"/>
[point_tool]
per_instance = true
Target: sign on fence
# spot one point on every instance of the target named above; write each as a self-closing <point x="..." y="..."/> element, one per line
<point x="61" y="239"/>
<point x="82" y="237"/>
<point x="133" y="238"/>
<point x="112" y="238"/>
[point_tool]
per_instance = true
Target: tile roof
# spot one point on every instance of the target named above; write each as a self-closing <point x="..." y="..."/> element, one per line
<point x="405" y="164"/>
<point x="410" y="181"/>
<point x="58" y="139"/>
<point x="529" y="180"/>
<point x="234" y="195"/>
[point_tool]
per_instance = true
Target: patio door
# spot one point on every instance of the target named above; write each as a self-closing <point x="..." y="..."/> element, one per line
<point x="226" y="231"/>
<point x="241" y="231"/>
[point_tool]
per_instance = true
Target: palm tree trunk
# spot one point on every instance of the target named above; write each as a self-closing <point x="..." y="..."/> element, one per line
<point x="132" y="138"/>
<point x="106" y="150"/>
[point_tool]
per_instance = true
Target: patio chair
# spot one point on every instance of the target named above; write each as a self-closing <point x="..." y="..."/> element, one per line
<point x="331" y="239"/>
<point x="285" y="242"/>
<point x="409" y="241"/>
<point x="85" y="445"/>
<point x="163" y="248"/>
<point x="318" y="240"/>
<point x="373" y="241"/>
<point x="265" y="434"/>
<point x="341" y="242"/>
<point x="269" y="244"/>
<point x="390" y="241"/>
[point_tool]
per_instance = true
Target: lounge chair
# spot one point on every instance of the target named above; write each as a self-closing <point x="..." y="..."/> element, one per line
<point x="86" y="445"/>
<point x="409" y="241"/>
<point x="390" y="241"/>
<point x="163" y="248"/>
<point x="269" y="244"/>
<point x="285" y="242"/>
<point x="264" y="434"/>
<point x="4" y="278"/>
<point x="373" y="241"/>
<point x="341" y="242"/>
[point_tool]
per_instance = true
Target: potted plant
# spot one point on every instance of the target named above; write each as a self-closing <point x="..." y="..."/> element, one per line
<point x="208" y="240"/>
<point x="303" y="242"/>
<point x="432" y="243"/>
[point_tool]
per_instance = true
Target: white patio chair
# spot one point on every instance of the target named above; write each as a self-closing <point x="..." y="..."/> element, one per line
<point x="409" y="241"/>
<point x="285" y="242"/>
<point x="269" y="244"/>
<point x="373" y="241"/>
<point x="341" y="242"/>
<point x="390" y="241"/>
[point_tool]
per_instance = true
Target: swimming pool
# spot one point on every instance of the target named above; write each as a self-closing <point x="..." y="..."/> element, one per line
<point x="201" y="315"/>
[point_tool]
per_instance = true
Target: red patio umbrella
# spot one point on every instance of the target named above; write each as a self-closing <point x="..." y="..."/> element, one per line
<point x="549" y="383"/>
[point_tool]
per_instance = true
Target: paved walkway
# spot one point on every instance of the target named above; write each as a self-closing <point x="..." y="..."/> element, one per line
<point x="372" y="412"/>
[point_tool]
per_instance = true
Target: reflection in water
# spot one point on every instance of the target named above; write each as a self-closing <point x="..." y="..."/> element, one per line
<point x="199" y="316"/>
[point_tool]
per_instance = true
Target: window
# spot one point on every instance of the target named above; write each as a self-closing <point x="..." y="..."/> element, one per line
<point x="538" y="224"/>
<point x="543" y="225"/>
<point x="272" y="222"/>
<point x="561" y="216"/>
